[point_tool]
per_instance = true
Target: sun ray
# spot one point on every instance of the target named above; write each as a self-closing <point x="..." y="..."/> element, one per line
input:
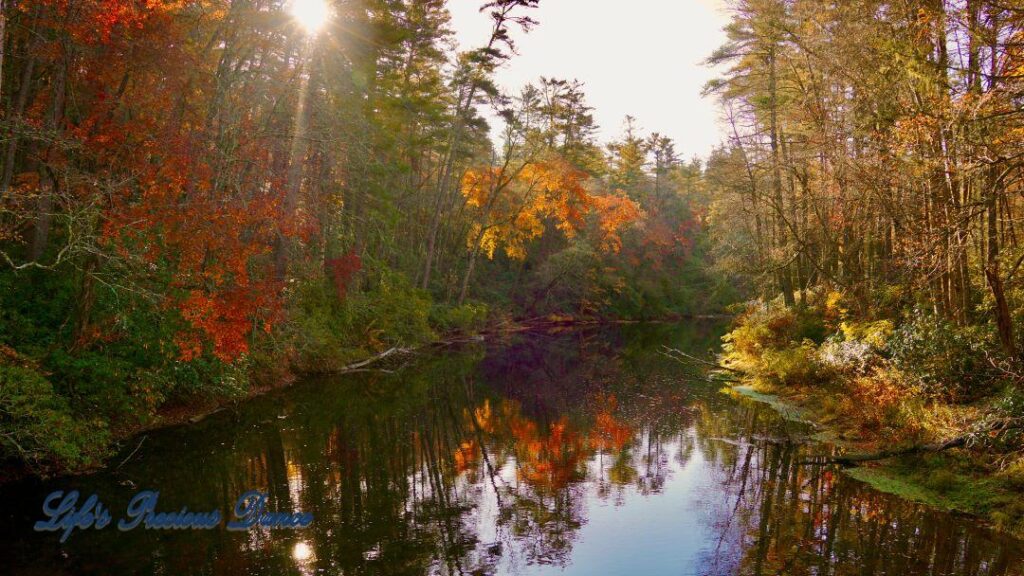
<point x="312" y="15"/>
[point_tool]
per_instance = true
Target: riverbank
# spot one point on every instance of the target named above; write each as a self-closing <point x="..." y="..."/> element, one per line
<point x="196" y="412"/>
<point x="958" y="452"/>
<point x="279" y="371"/>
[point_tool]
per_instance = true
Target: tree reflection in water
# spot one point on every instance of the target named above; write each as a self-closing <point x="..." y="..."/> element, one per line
<point x="583" y="452"/>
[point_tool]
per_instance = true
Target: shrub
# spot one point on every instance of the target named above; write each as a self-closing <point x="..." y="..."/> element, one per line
<point x="38" y="427"/>
<point x="326" y="333"/>
<point x="94" y="380"/>
<point x="203" y="377"/>
<point x="1014" y="474"/>
<point x="757" y="330"/>
<point x="468" y="318"/>
<point x="849" y="356"/>
<point x="567" y="280"/>
<point x="885" y="403"/>
<point x="399" y="313"/>
<point x="1008" y="408"/>
<point x="856" y="348"/>
<point x="763" y="327"/>
<point x="949" y="362"/>
<point x="1012" y="403"/>
<point x="793" y="366"/>
<point x="317" y="332"/>
<point x="874" y="334"/>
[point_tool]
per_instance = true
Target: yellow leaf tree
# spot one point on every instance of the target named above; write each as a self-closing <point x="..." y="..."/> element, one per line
<point x="512" y="208"/>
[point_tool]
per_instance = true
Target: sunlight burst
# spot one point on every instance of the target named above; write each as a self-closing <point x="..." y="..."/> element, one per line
<point x="312" y="15"/>
<point x="302" y="552"/>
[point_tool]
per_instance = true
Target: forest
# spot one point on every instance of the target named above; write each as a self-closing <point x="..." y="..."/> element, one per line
<point x="869" y="196"/>
<point x="202" y="199"/>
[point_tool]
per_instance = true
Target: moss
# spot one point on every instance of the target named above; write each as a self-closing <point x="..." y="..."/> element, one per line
<point x="884" y="480"/>
<point x="949" y="483"/>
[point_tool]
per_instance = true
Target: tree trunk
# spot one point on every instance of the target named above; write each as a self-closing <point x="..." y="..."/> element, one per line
<point x="86" y="299"/>
<point x="444" y="184"/>
<point x="1004" y="321"/>
<point x="16" y="114"/>
<point x="45" y="205"/>
<point x="3" y="39"/>
<point x="782" y="270"/>
<point x="469" y="273"/>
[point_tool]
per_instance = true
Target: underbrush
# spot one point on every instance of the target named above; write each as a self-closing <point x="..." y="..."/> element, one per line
<point x="324" y="333"/>
<point x="906" y="381"/>
<point x="39" y="427"/>
<point x="64" y="404"/>
<point x="777" y="346"/>
<point x="66" y="398"/>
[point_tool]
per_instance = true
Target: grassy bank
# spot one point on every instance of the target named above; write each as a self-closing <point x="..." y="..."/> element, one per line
<point x="925" y="409"/>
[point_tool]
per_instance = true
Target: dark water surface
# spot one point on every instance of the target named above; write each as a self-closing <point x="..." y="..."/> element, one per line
<point x="583" y="453"/>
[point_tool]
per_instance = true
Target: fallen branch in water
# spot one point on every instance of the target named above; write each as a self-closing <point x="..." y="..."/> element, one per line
<point x="360" y="366"/>
<point x="756" y="440"/>
<point x="372" y="359"/>
<point x="203" y="415"/>
<point x="684" y="358"/>
<point x="129" y="457"/>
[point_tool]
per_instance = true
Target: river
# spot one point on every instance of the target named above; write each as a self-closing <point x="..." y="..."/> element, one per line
<point x="584" y="452"/>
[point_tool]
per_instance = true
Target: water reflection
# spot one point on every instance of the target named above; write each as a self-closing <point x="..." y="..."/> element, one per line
<point x="582" y="453"/>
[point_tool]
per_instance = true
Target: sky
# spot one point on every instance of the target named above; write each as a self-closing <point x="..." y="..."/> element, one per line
<point x="641" y="58"/>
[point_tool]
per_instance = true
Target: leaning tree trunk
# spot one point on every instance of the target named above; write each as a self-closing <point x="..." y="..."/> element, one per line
<point x="469" y="273"/>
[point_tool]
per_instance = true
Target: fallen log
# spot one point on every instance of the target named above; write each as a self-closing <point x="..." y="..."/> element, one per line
<point x="1000" y="425"/>
<point x="850" y="459"/>
<point x="372" y="359"/>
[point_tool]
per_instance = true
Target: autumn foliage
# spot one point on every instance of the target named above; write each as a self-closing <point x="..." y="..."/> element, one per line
<point x="141" y="159"/>
<point x="195" y="193"/>
<point x="515" y="209"/>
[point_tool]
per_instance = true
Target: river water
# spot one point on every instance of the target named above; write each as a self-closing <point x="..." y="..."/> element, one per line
<point x="574" y="453"/>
